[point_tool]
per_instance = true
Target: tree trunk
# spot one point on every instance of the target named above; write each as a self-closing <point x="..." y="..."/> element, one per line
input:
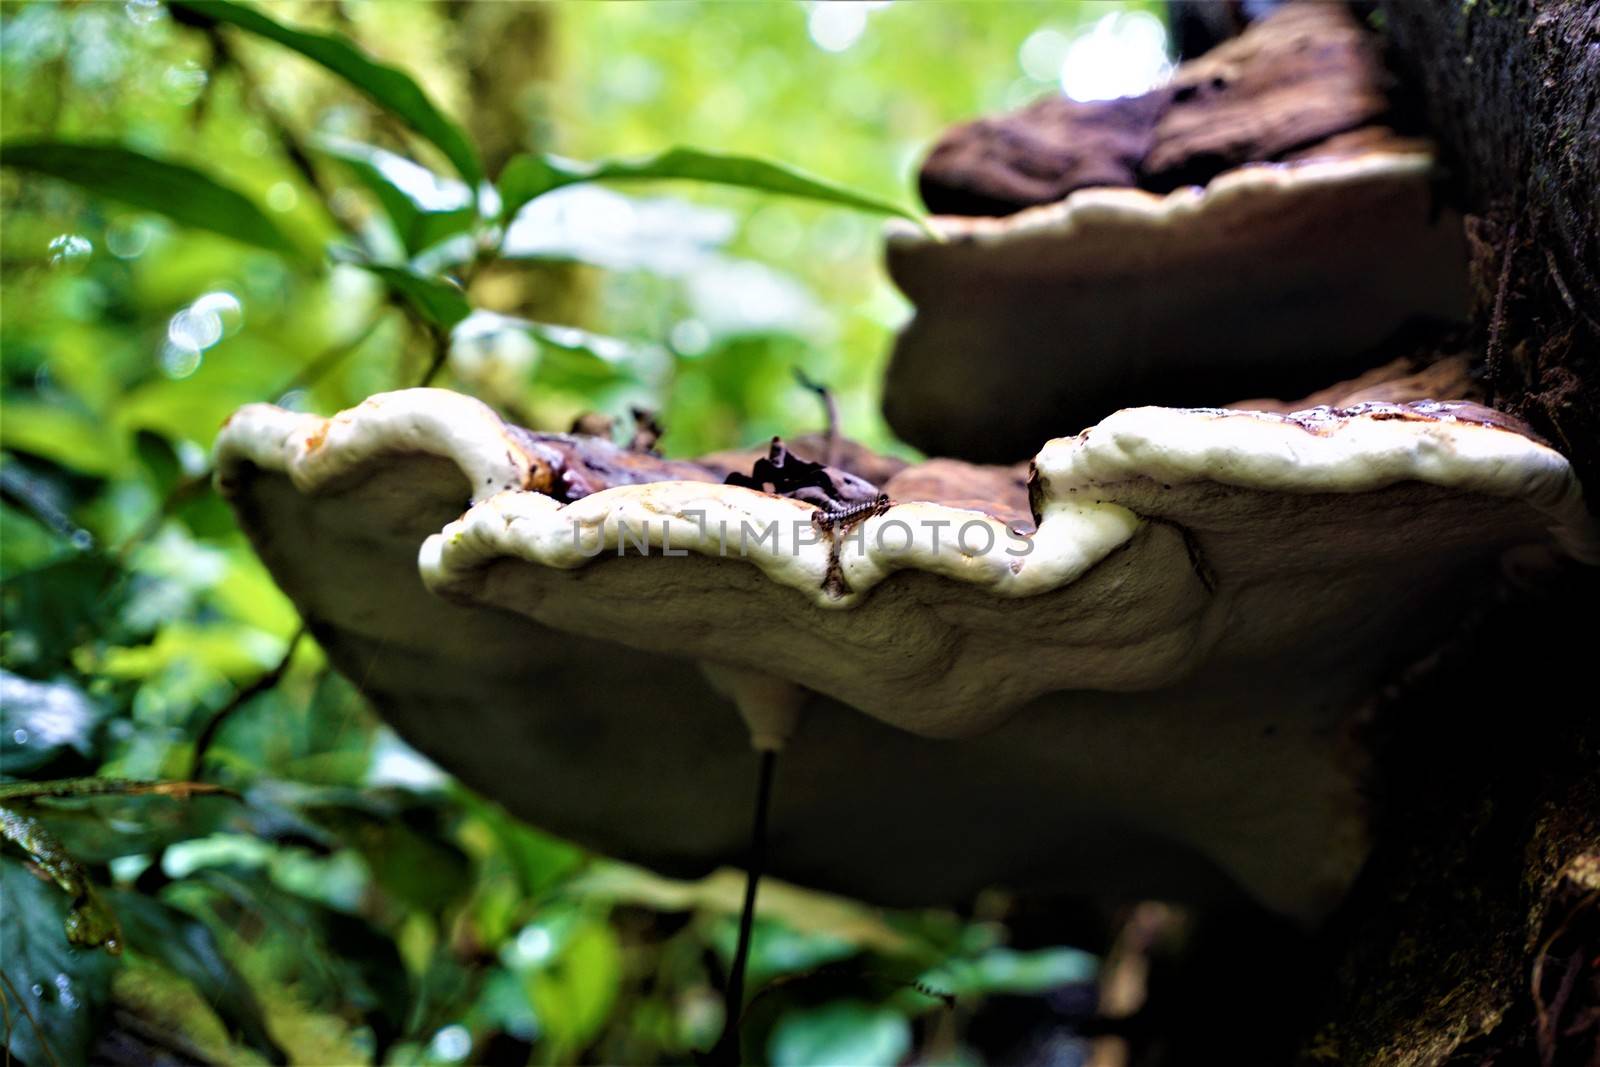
<point x="1513" y="91"/>
<point x="1474" y="934"/>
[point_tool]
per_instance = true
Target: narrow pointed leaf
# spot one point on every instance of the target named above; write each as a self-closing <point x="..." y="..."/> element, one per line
<point x="179" y="192"/>
<point x="528" y="176"/>
<point x="438" y="301"/>
<point x="424" y="208"/>
<point x="185" y="945"/>
<point x="389" y="87"/>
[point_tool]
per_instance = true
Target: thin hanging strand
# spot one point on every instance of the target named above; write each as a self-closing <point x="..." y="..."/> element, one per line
<point x="727" y="1047"/>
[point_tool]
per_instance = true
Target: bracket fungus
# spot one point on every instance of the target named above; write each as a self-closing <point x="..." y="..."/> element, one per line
<point x="1135" y="670"/>
<point x="1255" y="225"/>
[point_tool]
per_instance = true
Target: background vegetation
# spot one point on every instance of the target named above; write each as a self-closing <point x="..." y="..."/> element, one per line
<point x="204" y="208"/>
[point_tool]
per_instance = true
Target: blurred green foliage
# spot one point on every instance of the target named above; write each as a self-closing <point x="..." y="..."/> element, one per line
<point x="211" y="204"/>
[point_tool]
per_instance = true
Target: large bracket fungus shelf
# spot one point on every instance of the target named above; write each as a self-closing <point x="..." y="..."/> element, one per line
<point x="1136" y="671"/>
<point x="1253" y="226"/>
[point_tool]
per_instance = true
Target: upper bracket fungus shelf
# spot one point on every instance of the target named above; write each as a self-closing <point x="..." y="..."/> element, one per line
<point x="1134" y="669"/>
<point x="1257" y="226"/>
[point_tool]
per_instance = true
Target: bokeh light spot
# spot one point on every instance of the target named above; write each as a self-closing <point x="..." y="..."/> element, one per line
<point x="452" y="1043"/>
<point x="282" y="197"/>
<point x="1043" y="53"/>
<point x="835" y="25"/>
<point x="184" y="82"/>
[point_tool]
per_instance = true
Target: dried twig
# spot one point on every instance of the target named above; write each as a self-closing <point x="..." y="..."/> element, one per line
<point x="646" y="431"/>
<point x="441" y="353"/>
<point x="830" y="410"/>
<point x="13" y="792"/>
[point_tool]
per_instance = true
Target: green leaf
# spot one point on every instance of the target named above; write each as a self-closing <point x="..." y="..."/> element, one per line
<point x="404" y="190"/>
<point x="844" y="1034"/>
<point x="795" y="912"/>
<point x="1004" y="970"/>
<point x="346" y="959"/>
<point x="62" y="433"/>
<point x="438" y="301"/>
<point x="159" y="459"/>
<point x="573" y="994"/>
<point x="610" y="351"/>
<point x="48" y="499"/>
<point x="53" y="609"/>
<point x="389" y="87"/>
<point x="539" y="862"/>
<point x="504" y="1000"/>
<point x="313" y="743"/>
<point x="529" y="176"/>
<point x="55" y="994"/>
<point x="180" y="192"/>
<point x="421" y="869"/>
<point x="777" y="949"/>
<point x="188" y="947"/>
<point x="25" y="542"/>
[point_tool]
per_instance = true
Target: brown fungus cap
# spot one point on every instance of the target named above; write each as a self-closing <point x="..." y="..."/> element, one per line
<point x="1151" y="699"/>
<point x="1306" y="73"/>
<point x="1302" y="80"/>
<point x="1039" y="154"/>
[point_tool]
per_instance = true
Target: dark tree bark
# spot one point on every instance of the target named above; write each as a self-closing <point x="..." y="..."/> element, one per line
<point x="1513" y="91"/>
<point x="1473" y="936"/>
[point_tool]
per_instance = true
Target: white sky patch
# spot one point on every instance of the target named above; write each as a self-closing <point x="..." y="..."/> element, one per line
<point x="485" y="342"/>
<point x="619" y="232"/>
<point x="732" y="297"/>
<point x="1123" y="54"/>
<point x="428" y="191"/>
